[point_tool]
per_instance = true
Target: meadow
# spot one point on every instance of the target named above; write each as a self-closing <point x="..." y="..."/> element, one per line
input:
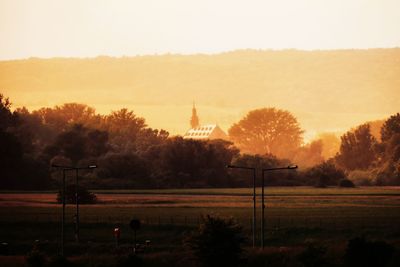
<point x="294" y="215"/>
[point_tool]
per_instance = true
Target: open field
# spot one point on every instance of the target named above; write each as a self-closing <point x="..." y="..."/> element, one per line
<point x="293" y="215"/>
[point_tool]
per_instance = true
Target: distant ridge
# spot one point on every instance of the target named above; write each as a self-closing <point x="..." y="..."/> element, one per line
<point x="338" y="81"/>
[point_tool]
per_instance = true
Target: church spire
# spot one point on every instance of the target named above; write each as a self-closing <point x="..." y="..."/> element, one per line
<point x="194" y="121"/>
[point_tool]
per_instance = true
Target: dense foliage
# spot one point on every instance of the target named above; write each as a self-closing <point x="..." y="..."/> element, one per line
<point x="131" y="155"/>
<point x="267" y="130"/>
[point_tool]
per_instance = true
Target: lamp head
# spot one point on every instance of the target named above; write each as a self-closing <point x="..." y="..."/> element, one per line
<point x="292" y="167"/>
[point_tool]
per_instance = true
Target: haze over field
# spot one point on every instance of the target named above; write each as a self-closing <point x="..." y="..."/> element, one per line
<point x="326" y="90"/>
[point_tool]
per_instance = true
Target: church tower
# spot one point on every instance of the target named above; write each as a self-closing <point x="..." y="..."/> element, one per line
<point x="194" y="121"/>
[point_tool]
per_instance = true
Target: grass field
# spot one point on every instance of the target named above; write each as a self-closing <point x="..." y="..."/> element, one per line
<point x="293" y="216"/>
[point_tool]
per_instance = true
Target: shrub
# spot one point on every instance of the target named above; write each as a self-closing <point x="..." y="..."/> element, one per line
<point x="324" y="174"/>
<point x="346" y="183"/>
<point x="35" y="259"/>
<point x="362" y="178"/>
<point x="361" y="252"/>
<point x="59" y="261"/>
<point x="130" y="260"/>
<point x="313" y="256"/>
<point x="84" y="196"/>
<point x="218" y="242"/>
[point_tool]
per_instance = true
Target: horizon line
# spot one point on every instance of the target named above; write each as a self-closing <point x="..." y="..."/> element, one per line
<point x="196" y="54"/>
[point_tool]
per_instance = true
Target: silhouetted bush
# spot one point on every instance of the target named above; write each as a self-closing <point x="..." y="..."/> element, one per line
<point x="361" y="252"/>
<point x="218" y="242"/>
<point x="129" y="261"/>
<point x="313" y="256"/>
<point x="346" y="183"/>
<point x="35" y="259"/>
<point x="362" y="178"/>
<point x="84" y="196"/>
<point x="59" y="261"/>
<point x="324" y="174"/>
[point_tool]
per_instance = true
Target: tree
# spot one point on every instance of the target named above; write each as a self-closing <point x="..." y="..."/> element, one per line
<point x="7" y="118"/>
<point x="267" y="130"/>
<point x="179" y="162"/>
<point x="217" y="242"/>
<point x="390" y="127"/>
<point x="243" y="178"/>
<point x="78" y="143"/>
<point x="310" y="154"/>
<point x="357" y="149"/>
<point x="123" y="126"/>
<point x="330" y="144"/>
<point x="60" y="118"/>
<point x="389" y="167"/>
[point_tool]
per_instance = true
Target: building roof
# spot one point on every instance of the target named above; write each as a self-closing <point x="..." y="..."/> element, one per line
<point x="210" y="131"/>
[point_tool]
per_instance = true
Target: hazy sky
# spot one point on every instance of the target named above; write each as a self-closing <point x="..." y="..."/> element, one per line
<point x="84" y="28"/>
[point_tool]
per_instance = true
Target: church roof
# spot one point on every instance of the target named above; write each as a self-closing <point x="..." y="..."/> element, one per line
<point x="210" y="131"/>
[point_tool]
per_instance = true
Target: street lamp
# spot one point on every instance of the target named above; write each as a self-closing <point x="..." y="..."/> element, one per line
<point x="254" y="197"/>
<point x="64" y="169"/>
<point x="290" y="167"/>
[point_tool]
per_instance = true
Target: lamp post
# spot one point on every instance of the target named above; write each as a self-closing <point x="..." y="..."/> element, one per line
<point x="64" y="169"/>
<point x="254" y="197"/>
<point x="291" y="167"/>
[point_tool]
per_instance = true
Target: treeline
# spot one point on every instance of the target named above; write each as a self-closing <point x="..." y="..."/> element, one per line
<point x="128" y="153"/>
<point x="132" y="155"/>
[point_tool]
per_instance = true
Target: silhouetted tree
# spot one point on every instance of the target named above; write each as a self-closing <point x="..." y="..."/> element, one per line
<point x="61" y="117"/>
<point x="19" y="169"/>
<point x="244" y="177"/>
<point x="389" y="152"/>
<point x="267" y="130"/>
<point x="357" y="149"/>
<point x="78" y="143"/>
<point x="309" y="155"/>
<point x="124" y="166"/>
<point x="7" y="118"/>
<point x="149" y="137"/>
<point x="330" y="144"/>
<point x="182" y="162"/>
<point x="390" y="127"/>
<point x="123" y="126"/>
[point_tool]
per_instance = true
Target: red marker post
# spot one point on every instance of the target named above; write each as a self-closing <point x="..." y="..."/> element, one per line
<point x="117" y="235"/>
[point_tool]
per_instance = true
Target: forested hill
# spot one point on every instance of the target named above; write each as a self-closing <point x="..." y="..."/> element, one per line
<point x="340" y="81"/>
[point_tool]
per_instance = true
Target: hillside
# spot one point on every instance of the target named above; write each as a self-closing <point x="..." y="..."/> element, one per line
<point x="326" y="90"/>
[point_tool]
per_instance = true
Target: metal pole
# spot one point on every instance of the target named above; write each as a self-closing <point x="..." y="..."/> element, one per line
<point x="262" y="211"/>
<point x="77" y="208"/>
<point x="63" y="215"/>
<point x="254" y="207"/>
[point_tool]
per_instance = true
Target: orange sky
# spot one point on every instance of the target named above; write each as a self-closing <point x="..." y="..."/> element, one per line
<point x="86" y="28"/>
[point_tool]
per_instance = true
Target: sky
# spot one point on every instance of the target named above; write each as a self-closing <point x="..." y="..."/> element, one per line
<point x="88" y="28"/>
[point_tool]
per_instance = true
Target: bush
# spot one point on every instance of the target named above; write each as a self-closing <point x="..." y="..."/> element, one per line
<point x="84" y="196"/>
<point x="313" y="256"/>
<point x="346" y="183"/>
<point x="130" y="260"/>
<point x="361" y="252"/>
<point x="59" y="261"/>
<point x="324" y="174"/>
<point x="218" y="242"/>
<point x="362" y="178"/>
<point x="35" y="259"/>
